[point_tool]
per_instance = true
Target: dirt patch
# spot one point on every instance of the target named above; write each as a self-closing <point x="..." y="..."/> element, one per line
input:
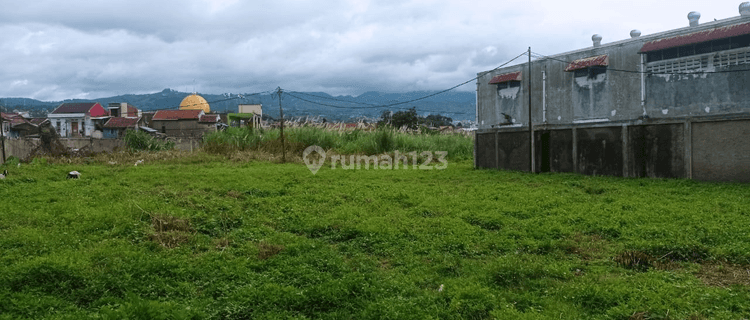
<point x="234" y="194"/>
<point x="170" y="232"/>
<point x="267" y="250"/>
<point x="724" y="275"/>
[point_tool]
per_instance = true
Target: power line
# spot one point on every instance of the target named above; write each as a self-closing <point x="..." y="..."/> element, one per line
<point x="373" y="106"/>
<point x="458" y="85"/>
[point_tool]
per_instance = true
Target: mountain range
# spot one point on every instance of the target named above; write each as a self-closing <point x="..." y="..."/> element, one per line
<point x="458" y="105"/>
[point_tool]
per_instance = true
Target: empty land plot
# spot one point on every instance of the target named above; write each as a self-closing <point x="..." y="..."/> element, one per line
<point x="201" y="237"/>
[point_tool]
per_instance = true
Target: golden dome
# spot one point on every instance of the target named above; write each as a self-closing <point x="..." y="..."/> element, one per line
<point x="195" y="102"/>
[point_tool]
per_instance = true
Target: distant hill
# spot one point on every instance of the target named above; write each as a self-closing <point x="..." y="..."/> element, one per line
<point x="457" y="105"/>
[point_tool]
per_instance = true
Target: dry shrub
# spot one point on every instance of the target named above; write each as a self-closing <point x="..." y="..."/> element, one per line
<point x="639" y="261"/>
<point x="165" y="223"/>
<point x="267" y="250"/>
<point x="234" y="194"/>
<point x="221" y="243"/>
<point x="724" y="275"/>
<point x="587" y="247"/>
<point x="170" y="232"/>
<point x="170" y="239"/>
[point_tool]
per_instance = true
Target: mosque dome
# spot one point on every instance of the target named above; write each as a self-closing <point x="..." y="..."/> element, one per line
<point x="195" y="102"/>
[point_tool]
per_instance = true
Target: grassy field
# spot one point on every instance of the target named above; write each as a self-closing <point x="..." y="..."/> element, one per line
<point x="200" y="236"/>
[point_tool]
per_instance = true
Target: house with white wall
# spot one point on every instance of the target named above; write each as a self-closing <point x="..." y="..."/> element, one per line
<point x="78" y="119"/>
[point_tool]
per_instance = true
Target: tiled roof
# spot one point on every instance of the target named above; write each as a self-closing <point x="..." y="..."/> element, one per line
<point x="15" y="119"/>
<point x="210" y="118"/>
<point x="513" y="76"/>
<point x="697" y="37"/>
<point x="77" y="107"/>
<point x="120" y="122"/>
<point x="177" y="114"/>
<point x="602" y="60"/>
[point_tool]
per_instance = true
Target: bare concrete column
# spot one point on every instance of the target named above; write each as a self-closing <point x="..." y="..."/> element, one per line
<point x="625" y="151"/>
<point x="688" y="136"/>
<point x="497" y="150"/>
<point x="575" y="150"/>
<point x="475" y="148"/>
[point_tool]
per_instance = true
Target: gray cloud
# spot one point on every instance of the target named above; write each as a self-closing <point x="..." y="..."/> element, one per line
<point x="55" y="50"/>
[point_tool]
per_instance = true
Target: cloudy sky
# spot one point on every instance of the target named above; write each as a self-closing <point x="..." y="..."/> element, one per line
<point x="54" y="50"/>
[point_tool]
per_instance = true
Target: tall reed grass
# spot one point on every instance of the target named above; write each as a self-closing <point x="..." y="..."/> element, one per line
<point x="386" y="140"/>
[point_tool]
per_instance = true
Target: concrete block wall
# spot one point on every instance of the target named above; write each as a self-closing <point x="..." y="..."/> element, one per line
<point x="703" y="150"/>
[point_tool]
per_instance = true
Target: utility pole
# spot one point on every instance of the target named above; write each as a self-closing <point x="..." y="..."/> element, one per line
<point x="281" y="115"/>
<point x="2" y="137"/>
<point x="531" y="126"/>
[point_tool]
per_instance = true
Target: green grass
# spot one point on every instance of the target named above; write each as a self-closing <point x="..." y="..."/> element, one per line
<point x="200" y="237"/>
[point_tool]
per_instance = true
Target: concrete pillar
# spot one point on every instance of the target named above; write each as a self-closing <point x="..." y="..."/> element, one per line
<point x="625" y="151"/>
<point x="575" y="150"/>
<point x="476" y="136"/>
<point x="497" y="150"/>
<point x="688" y="140"/>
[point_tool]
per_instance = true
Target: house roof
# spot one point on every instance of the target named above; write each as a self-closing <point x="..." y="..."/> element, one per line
<point x="602" y="60"/>
<point x="210" y="118"/>
<point x="120" y="122"/>
<point x="15" y="119"/>
<point x="697" y="37"/>
<point x="506" y="77"/>
<point x="177" y="114"/>
<point x="74" y="107"/>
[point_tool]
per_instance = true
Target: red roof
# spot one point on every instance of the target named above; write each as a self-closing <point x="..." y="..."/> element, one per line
<point x="697" y="37"/>
<point x="93" y="109"/>
<point x="211" y="118"/>
<point x="602" y="60"/>
<point x="506" y="77"/>
<point x="177" y="114"/>
<point x="120" y="122"/>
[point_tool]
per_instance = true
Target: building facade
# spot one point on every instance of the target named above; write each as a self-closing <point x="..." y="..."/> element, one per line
<point x="674" y="104"/>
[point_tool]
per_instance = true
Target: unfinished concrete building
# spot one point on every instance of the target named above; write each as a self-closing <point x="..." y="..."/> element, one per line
<point x="674" y="104"/>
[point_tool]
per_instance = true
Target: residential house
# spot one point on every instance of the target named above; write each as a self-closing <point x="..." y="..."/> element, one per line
<point x="78" y="119"/>
<point x="184" y="123"/>
<point x="115" y="127"/>
<point x="15" y="125"/>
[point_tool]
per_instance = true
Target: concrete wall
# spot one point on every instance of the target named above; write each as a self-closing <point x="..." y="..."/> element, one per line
<point x="599" y="151"/>
<point x="721" y="151"/>
<point x="703" y="150"/>
<point x="554" y="151"/>
<point x="657" y="151"/>
<point x="21" y="148"/>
